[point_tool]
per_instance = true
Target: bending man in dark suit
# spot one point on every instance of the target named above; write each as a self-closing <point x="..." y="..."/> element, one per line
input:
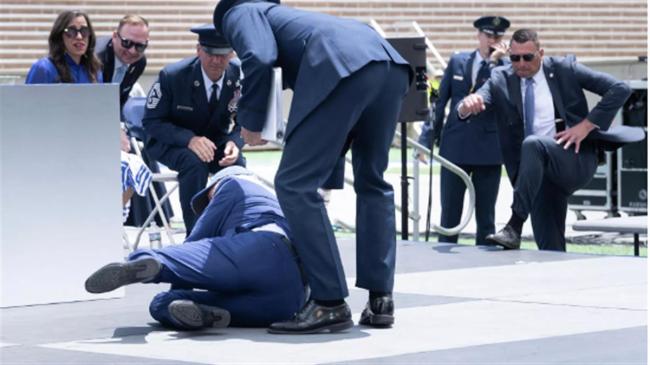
<point x="122" y="54"/>
<point x="348" y="85"/>
<point x="190" y="114"/>
<point x="546" y="162"/>
<point x="473" y="146"/>
<point x="239" y="256"/>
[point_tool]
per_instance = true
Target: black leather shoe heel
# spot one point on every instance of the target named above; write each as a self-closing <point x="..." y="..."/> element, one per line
<point x="379" y="312"/>
<point x="315" y="318"/>
<point x="192" y="316"/>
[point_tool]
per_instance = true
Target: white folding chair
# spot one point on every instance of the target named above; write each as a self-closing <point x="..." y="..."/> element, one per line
<point x="133" y="112"/>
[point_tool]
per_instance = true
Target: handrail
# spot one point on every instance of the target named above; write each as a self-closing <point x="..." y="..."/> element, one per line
<point x="429" y="44"/>
<point x="463" y="176"/>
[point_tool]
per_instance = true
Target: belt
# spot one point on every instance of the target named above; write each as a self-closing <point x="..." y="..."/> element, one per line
<point x="272" y="227"/>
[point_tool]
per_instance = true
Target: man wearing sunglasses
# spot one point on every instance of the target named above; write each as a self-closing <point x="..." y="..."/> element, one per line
<point x="472" y="146"/>
<point x="123" y="53"/>
<point x="190" y="115"/>
<point x="549" y="138"/>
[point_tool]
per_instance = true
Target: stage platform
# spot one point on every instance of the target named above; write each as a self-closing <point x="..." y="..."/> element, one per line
<point x="455" y="305"/>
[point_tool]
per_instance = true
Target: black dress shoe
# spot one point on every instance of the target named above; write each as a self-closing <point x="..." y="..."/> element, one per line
<point x="378" y="312"/>
<point x="192" y="316"/>
<point x="315" y="318"/>
<point x="507" y="237"/>
<point x="117" y="274"/>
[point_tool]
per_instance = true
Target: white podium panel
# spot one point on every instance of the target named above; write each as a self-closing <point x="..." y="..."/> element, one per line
<point x="60" y="195"/>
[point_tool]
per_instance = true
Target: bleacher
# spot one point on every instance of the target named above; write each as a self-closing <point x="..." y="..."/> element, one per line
<point x="592" y="29"/>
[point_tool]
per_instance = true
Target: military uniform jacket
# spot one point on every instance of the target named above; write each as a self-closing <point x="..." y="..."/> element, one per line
<point x="106" y="55"/>
<point x="470" y="142"/>
<point x="177" y="108"/>
<point x="315" y="51"/>
<point x="566" y="79"/>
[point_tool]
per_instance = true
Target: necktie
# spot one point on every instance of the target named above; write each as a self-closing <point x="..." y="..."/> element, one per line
<point x="529" y="106"/>
<point x="212" y="102"/>
<point x="482" y="75"/>
<point x="119" y="74"/>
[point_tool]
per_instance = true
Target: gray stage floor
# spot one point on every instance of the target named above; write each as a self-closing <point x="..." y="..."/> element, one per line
<point x="455" y="305"/>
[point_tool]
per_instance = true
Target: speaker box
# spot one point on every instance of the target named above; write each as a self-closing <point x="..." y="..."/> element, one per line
<point x="415" y="107"/>
<point x="635" y="155"/>
<point x="633" y="190"/>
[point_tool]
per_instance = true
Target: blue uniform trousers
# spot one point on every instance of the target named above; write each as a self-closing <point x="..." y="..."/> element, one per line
<point x="253" y="275"/>
<point x="192" y="176"/>
<point x="486" y="180"/>
<point x="548" y="174"/>
<point x="365" y="106"/>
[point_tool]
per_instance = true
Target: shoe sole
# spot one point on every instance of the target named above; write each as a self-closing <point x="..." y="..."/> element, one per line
<point x="194" y="316"/>
<point x="118" y="274"/>
<point x="378" y="320"/>
<point x="332" y="328"/>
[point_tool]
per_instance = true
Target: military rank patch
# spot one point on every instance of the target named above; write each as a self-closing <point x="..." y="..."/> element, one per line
<point x="154" y="96"/>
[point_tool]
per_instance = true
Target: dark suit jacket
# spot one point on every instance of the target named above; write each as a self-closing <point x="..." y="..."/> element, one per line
<point x="105" y="53"/>
<point x="465" y="143"/>
<point x="567" y="80"/>
<point x="177" y="108"/>
<point x="315" y="51"/>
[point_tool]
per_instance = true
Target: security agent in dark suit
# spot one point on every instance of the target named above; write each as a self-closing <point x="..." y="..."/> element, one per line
<point x="473" y="144"/>
<point x="547" y="161"/>
<point x="239" y="257"/>
<point x="348" y="82"/>
<point x="190" y="116"/>
<point x="122" y="54"/>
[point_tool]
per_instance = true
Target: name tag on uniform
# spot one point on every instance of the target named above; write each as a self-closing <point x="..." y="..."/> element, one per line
<point x="458" y="77"/>
<point x="184" y="107"/>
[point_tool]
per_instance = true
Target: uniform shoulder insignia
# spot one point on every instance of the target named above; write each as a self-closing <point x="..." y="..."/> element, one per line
<point x="154" y="96"/>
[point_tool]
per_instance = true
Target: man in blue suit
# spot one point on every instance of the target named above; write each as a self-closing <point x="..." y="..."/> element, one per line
<point x="473" y="145"/>
<point x="190" y="116"/>
<point x="239" y="256"/>
<point x="348" y="85"/>
<point x="549" y="138"/>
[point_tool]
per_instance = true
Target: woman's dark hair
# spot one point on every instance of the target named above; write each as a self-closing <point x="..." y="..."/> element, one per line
<point x="57" y="48"/>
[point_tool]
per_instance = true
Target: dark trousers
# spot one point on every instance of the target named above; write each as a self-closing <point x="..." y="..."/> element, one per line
<point x="452" y="195"/>
<point x="365" y="106"/>
<point x="192" y="176"/>
<point x="548" y="175"/>
<point x="253" y="275"/>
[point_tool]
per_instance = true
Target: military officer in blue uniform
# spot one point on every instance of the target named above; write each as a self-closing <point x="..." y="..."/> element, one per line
<point x="472" y="146"/>
<point x="239" y="256"/>
<point x="190" y="116"/>
<point x="348" y="85"/>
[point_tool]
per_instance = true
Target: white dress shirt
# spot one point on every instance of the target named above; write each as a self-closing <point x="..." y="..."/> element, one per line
<point x="207" y="83"/>
<point x="544" y="122"/>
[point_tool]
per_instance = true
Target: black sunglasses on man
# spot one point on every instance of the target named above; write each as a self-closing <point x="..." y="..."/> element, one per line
<point x="518" y="57"/>
<point x="127" y="43"/>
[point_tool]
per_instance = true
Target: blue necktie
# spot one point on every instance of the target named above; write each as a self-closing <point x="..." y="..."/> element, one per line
<point x="529" y="107"/>
<point x="119" y="74"/>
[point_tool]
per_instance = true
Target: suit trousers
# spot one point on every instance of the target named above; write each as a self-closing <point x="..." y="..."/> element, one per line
<point x="548" y="175"/>
<point x="486" y="179"/>
<point x="364" y="106"/>
<point x="192" y="176"/>
<point x="253" y="275"/>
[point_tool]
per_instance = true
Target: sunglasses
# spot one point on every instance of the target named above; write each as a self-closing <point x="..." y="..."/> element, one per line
<point x="73" y="32"/>
<point x="517" y="57"/>
<point x="127" y="43"/>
